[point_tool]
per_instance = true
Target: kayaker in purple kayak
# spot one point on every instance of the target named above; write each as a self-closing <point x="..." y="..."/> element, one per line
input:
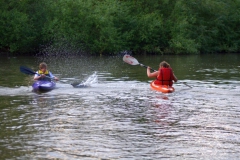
<point x="43" y="74"/>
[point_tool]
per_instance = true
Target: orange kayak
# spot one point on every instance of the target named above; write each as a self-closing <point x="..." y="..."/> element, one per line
<point x="162" y="88"/>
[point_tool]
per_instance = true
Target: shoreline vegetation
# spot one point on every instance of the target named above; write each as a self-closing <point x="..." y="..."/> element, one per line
<point x="106" y="27"/>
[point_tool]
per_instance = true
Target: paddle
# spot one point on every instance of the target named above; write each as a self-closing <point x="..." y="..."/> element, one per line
<point x="185" y="83"/>
<point x="133" y="61"/>
<point x="28" y="71"/>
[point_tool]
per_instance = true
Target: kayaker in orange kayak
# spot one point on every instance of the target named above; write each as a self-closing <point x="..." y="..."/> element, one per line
<point x="164" y="76"/>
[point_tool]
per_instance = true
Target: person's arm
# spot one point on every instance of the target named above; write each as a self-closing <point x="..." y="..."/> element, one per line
<point x="175" y="78"/>
<point x="52" y="76"/>
<point x="151" y="75"/>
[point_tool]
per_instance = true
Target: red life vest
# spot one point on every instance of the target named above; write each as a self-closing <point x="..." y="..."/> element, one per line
<point x="165" y="77"/>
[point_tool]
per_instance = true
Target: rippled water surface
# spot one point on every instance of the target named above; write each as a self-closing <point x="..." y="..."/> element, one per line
<point x="118" y="116"/>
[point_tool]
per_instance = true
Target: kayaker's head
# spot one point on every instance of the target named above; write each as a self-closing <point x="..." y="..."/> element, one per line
<point x="43" y="67"/>
<point x="164" y="64"/>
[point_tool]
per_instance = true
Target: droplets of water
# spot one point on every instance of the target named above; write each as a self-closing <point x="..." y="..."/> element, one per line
<point x="92" y="79"/>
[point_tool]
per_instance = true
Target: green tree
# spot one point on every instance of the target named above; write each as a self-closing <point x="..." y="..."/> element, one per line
<point x="110" y="26"/>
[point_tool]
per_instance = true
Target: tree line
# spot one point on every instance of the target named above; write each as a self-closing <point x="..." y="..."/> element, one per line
<point x="111" y="26"/>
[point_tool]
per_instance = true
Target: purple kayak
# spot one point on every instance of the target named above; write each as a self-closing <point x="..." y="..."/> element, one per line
<point x="43" y="86"/>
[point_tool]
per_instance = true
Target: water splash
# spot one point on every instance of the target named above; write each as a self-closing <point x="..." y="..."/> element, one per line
<point x="92" y="79"/>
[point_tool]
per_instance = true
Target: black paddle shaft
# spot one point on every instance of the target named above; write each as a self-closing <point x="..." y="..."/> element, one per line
<point x="142" y="65"/>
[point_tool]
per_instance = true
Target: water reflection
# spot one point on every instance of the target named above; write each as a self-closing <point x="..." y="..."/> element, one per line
<point x="120" y="117"/>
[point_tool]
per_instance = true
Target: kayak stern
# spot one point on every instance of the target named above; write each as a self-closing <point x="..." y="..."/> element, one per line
<point x="162" y="88"/>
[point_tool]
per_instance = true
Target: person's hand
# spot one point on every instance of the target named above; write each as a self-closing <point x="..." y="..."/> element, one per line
<point x="56" y="79"/>
<point x="41" y="76"/>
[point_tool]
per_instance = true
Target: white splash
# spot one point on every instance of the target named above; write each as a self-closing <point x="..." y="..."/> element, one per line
<point x="92" y="79"/>
<point x="88" y="81"/>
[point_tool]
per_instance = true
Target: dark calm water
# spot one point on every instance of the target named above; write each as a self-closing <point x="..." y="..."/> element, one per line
<point x="118" y="116"/>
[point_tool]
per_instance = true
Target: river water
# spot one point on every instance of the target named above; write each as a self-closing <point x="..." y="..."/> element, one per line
<point x="118" y="116"/>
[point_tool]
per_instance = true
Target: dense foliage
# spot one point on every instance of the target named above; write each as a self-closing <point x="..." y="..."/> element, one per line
<point x="110" y="26"/>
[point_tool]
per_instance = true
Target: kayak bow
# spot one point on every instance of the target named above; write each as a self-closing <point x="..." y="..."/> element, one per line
<point x="43" y="86"/>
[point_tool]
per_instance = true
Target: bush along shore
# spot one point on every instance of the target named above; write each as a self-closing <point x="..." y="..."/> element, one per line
<point x="108" y="27"/>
